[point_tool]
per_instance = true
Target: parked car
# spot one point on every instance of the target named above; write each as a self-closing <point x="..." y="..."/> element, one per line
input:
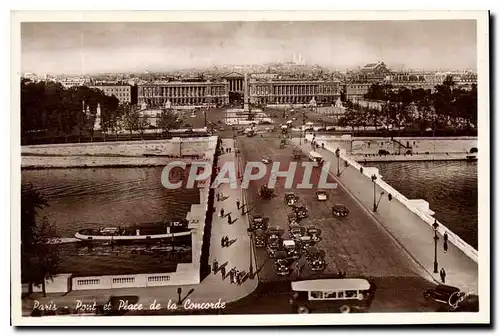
<point x="441" y="293"/>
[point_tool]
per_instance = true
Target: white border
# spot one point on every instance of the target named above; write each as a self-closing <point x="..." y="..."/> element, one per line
<point x="329" y="319"/>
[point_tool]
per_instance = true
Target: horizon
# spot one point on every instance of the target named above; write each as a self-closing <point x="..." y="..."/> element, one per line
<point x="88" y="48"/>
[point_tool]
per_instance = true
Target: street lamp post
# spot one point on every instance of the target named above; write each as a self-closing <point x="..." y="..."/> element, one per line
<point x="337" y="154"/>
<point x="250" y="271"/>
<point x="436" y="239"/>
<point x="374" y="178"/>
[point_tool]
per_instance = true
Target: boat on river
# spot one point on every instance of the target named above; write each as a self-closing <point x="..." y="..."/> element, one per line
<point x="139" y="232"/>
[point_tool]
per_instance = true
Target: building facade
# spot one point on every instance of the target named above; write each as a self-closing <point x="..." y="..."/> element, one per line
<point x="156" y="94"/>
<point x="293" y="91"/>
<point x="122" y="92"/>
<point x="356" y="90"/>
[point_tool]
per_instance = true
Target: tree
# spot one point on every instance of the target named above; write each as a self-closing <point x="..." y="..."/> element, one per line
<point x="167" y="121"/>
<point x="131" y="121"/>
<point x="39" y="257"/>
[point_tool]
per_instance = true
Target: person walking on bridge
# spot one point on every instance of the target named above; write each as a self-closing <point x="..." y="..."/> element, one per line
<point x="442" y="273"/>
<point x="445" y="242"/>
<point x="215" y="266"/>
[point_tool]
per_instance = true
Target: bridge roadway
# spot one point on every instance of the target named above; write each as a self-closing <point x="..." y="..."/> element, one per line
<point x="356" y="244"/>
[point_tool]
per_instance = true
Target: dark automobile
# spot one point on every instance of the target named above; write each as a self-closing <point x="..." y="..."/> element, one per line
<point x="315" y="257"/>
<point x="259" y="238"/>
<point x="290" y="199"/>
<point x="300" y="211"/>
<point x="281" y="263"/>
<point x="340" y="210"/>
<point x="259" y="223"/>
<point x="441" y="293"/>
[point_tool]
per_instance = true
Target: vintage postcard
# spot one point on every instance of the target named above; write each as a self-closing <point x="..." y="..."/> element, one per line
<point x="250" y="168"/>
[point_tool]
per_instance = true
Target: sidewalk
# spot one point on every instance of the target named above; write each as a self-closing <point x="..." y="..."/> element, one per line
<point x="213" y="287"/>
<point x="406" y="228"/>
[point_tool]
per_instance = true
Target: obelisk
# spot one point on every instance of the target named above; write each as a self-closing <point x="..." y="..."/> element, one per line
<point x="246" y="98"/>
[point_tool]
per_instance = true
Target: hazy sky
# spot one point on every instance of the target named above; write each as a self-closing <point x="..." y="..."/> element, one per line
<point x="106" y="47"/>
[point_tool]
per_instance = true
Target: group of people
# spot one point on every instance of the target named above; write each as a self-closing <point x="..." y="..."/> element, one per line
<point x="224" y="241"/>
<point x="235" y="276"/>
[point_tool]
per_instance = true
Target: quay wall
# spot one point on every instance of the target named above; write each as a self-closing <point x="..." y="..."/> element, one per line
<point x="438" y="148"/>
<point x="185" y="274"/>
<point x="115" y="154"/>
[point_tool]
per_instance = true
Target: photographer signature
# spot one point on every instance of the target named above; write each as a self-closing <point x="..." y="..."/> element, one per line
<point x="456" y="299"/>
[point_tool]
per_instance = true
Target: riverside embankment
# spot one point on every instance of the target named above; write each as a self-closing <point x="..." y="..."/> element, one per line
<point x="116" y="154"/>
<point x="370" y="149"/>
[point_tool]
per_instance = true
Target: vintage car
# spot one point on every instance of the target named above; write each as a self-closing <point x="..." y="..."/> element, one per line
<point x="290" y="199"/>
<point x="441" y="293"/>
<point x="273" y="241"/>
<point x="314" y="233"/>
<point x="300" y="211"/>
<point x="259" y="238"/>
<point x="315" y="257"/>
<point x="259" y="223"/>
<point x="305" y="242"/>
<point x="281" y="264"/>
<point x="340" y="210"/>
<point x="291" y="249"/>
<point x="321" y="195"/>
<point x="297" y="231"/>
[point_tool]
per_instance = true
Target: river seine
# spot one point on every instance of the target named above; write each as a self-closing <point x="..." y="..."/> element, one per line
<point x="91" y="198"/>
<point x="450" y="187"/>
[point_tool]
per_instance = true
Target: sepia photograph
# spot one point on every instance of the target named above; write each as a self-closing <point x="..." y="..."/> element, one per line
<point x="245" y="168"/>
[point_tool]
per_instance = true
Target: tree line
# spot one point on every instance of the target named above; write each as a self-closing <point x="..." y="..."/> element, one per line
<point x="446" y="107"/>
<point x="50" y="110"/>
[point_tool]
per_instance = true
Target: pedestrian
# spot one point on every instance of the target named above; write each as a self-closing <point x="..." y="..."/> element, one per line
<point x="226" y="241"/>
<point x="238" y="204"/>
<point x="231" y="276"/>
<point x="223" y="272"/>
<point x="229" y="218"/>
<point x="238" y="278"/>
<point x="445" y="242"/>
<point x="222" y="242"/>
<point x="215" y="266"/>
<point x="221" y="212"/>
<point x="442" y="273"/>
<point x="217" y="196"/>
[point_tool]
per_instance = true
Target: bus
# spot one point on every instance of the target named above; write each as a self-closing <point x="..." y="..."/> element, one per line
<point x="316" y="157"/>
<point x="344" y="295"/>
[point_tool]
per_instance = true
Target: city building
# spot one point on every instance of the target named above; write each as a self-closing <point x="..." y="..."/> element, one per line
<point x="356" y="90"/>
<point x="161" y="93"/>
<point x="120" y="91"/>
<point x="70" y="82"/>
<point x="235" y="86"/>
<point x="293" y="91"/>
